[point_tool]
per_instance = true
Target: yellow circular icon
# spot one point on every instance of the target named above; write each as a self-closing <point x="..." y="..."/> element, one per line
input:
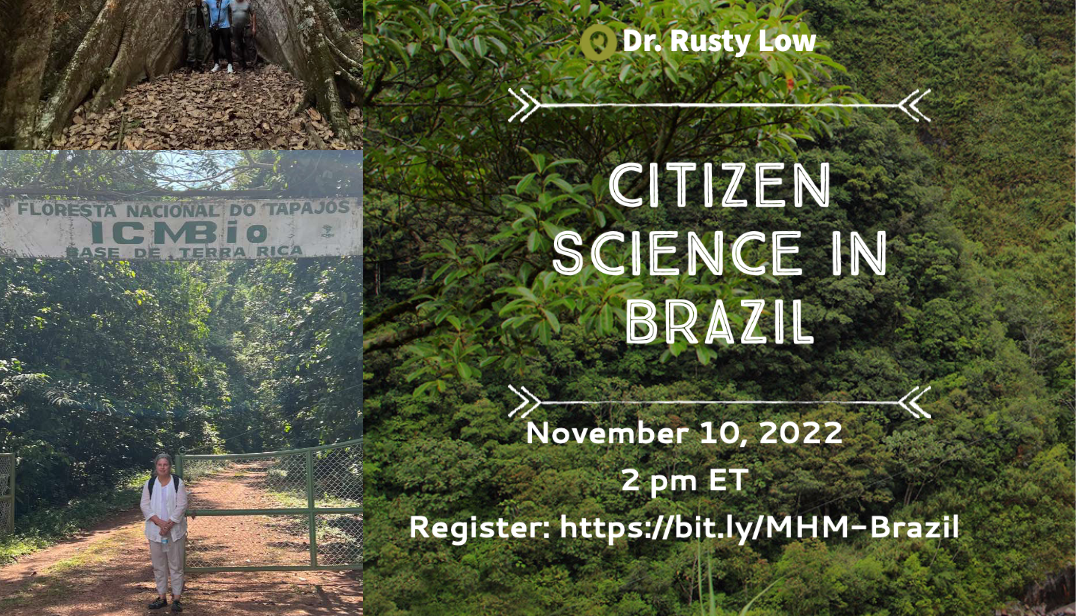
<point x="608" y="44"/>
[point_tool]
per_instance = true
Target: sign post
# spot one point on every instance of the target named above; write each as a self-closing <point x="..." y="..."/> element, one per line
<point x="191" y="229"/>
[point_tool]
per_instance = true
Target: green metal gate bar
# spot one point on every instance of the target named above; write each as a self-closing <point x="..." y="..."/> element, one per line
<point x="7" y="493"/>
<point x="320" y="487"/>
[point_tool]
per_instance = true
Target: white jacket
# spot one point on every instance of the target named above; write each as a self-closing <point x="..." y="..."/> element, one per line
<point x="167" y="503"/>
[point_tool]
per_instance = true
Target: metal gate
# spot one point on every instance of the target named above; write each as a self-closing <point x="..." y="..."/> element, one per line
<point x="7" y="493"/>
<point x="297" y="510"/>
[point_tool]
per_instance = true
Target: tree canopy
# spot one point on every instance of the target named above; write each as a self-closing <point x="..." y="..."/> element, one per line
<point x="105" y="363"/>
<point x="461" y="210"/>
<point x="446" y="166"/>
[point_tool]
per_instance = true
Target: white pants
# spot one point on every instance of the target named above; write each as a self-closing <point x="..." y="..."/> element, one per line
<point x="168" y="560"/>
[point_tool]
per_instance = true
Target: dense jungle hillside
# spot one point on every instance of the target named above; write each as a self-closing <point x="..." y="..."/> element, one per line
<point x="978" y="304"/>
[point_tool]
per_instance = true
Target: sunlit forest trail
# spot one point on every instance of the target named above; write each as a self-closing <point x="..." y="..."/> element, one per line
<point x="115" y="576"/>
<point x="110" y="362"/>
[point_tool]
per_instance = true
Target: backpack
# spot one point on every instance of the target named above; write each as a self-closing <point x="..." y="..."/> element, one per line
<point x="216" y="23"/>
<point x="152" y="481"/>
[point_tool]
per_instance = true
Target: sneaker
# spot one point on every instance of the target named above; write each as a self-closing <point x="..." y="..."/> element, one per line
<point x="158" y="604"/>
<point x="230" y="69"/>
<point x="216" y="67"/>
<point x="177" y="606"/>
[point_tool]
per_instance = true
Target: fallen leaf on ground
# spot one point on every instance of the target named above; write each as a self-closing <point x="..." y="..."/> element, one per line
<point x="202" y="110"/>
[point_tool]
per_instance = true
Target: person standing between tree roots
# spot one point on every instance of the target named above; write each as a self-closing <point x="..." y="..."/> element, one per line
<point x="244" y="29"/>
<point x="164" y="506"/>
<point x="196" y="35"/>
<point x="220" y="29"/>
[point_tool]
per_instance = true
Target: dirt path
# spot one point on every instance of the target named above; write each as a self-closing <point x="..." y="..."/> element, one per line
<point x="247" y="110"/>
<point x="106" y="570"/>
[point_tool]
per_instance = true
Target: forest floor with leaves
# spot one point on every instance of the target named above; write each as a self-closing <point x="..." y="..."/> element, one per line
<point x="106" y="570"/>
<point x="260" y="108"/>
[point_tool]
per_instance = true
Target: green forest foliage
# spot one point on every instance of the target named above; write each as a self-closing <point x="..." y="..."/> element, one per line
<point x="977" y="304"/>
<point x="347" y="10"/>
<point x="104" y="364"/>
<point x="445" y="182"/>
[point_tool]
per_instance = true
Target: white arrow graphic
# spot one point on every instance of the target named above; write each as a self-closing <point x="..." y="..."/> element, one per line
<point x="532" y="401"/>
<point x="525" y="401"/>
<point x="913" y="404"/>
<point x="903" y="105"/>
<point x="537" y="105"/>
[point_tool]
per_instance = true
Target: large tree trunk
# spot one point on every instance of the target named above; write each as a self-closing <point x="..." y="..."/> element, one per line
<point x="22" y="68"/>
<point x="306" y="38"/>
<point x="130" y="40"/>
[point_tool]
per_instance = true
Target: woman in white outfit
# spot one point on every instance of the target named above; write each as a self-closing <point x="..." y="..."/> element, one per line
<point x="164" y="505"/>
